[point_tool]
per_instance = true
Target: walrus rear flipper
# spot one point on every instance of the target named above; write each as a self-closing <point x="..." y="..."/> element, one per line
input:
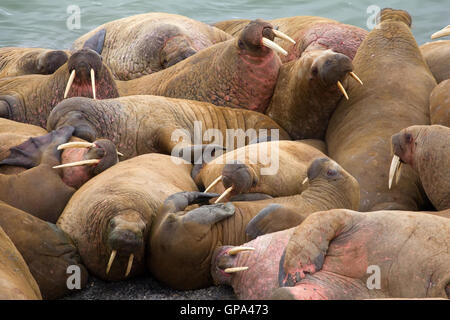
<point x="29" y="154"/>
<point x="96" y="42"/>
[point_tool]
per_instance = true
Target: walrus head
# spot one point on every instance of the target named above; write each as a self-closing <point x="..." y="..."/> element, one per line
<point x="46" y="62"/>
<point x="238" y="176"/>
<point x="224" y="263"/>
<point x="395" y="15"/>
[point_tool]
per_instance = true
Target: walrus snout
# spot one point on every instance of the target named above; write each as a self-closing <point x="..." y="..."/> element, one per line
<point x="175" y="50"/>
<point x="402" y="144"/>
<point x="51" y="61"/>
<point x="333" y="67"/>
<point x="83" y="60"/>
<point x="4" y="109"/>
<point x="239" y="176"/>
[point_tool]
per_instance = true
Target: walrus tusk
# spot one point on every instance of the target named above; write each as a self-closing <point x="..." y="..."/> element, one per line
<point x="93" y="82"/>
<point x="441" y="33"/>
<point x="120" y="153"/>
<point x="399" y="173"/>
<point x="80" y="144"/>
<point x="394" y="166"/>
<point x="341" y="87"/>
<point x="224" y="194"/>
<point x="282" y="35"/>
<point x="69" y="83"/>
<point x="236" y="250"/>
<point x="236" y="269"/>
<point x="111" y="260"/>
<point x="305" y="181"/>
<point x="78" y="163"/>
<point x="130" y="264"/>
<point x="354" y="76"/>
<point x="272" y="45"/>
<point x="213" y="183"/>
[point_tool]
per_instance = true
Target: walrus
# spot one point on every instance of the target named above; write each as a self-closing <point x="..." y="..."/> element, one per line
<point x="109" y="217"/>
<point x="16" y="281"/>
<point x="198" y="232"/>
<point x="144" y="124"/>
<point x="336" y="249"/>
<point x="332" y="254"/>
<point x="359" y="130"/>
<point x="15" y="61"/>
<point x="426" y="150"/>
<point x="51" y="179"/>
<point x="30" y="98"/>
<point x="440" y="104"/>
<point x="272" y="168"/>
<point x="146" y="43"/>
<point x="437" y="56"/>
<point x="309" y="33"/>
<point x="46" y="249"/>
<point x="240" y="72"/>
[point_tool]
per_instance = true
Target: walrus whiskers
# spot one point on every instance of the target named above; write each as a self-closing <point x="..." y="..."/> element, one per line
<point x="69" y="83"/>
<point x="282" y="35"/>
<point x="236" y="250"/>
<point x="224" y="194"/>
<point x="354" y="76"/>
<point x="341" y="87"/>
<point x="441" y="33"/>
<point x="272" y="45"/>
<point x="78" y="163"/>
<point x="130" y="264"/>
<point x="93" y="82"/>
<point x="216" y="181"/>
<point x="234" y="270"/>
<point x="111" y="260"/>
<point x="393" y="169"/>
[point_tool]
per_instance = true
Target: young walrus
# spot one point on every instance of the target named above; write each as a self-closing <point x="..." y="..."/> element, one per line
<point x="426" y="150"/>
<point x="334" y="254"/>
<point x="110" y="216"/>
<point x="16" y="281"/>
<point x="199" y="231"/>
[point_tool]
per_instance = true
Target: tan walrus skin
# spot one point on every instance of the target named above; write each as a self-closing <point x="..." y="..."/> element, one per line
<point x="110" y="216"/>
<point x="437" y="56"/>
<point x="16" y="61"/>
<point x="46" y="249"/>
<point x="332" y="250"/>
<point x="146" y="43"/>
<point x="440" y="104"/>
<point x="16" y="281"/>
<point x="241" y="73"/>
<point x="272" y="168"/>
<point x="360" y="129"/>
<point x="309" y="33"/>
<point x="42" y="190"/>
<point x="30" y="98"/>
<point x="145" y="124"/>
<point x="198" y="232"/>
<point x="426" y="150"/>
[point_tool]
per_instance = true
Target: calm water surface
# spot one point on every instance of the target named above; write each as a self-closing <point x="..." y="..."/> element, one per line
<point x="42" y="23"/>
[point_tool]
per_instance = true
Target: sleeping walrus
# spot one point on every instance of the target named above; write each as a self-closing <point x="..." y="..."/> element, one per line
<point x="440" y="104"/>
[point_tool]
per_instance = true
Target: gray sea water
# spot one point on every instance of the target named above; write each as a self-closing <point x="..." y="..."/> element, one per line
<point x="56" y="24"/>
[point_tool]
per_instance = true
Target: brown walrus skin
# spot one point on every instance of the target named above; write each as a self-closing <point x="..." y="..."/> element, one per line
<point x="47" y="251"/>
<point x="30" y="98"/>
<point x="359" y="131"/>
<point x="437" y="56"/>
<point x="145" y="124"/>
<point x="16" y="61"/>
<point x="42" y="190"/>
<point x="16" y="281"/>
<point x="116" y="209"/>
<point x="309" y="33"/>
<point x="240" y="73"/>
<point x="146" y="43"/>
<point x="328" y="256"/>
<point x="426" y="150"/>
<point x="440" y="104"/>
<point x="199" y="231"/>
<point x="249" y="172"/>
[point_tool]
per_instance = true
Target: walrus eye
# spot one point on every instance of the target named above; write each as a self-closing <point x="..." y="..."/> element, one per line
<point x="408" y="138"/>
<point x="314" y="71"/>
<point x="241" y="44"/>
<point x="331" y="173"/>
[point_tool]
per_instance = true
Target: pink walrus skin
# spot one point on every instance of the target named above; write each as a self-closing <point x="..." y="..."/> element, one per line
<point x="329" y="254"/>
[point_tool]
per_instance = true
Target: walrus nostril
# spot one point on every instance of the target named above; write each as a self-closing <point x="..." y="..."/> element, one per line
<point x="238" y="176"/>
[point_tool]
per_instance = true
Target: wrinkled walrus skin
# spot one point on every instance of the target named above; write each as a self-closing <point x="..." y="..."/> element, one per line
<point x="426" y="149"/>
<point x="239" y="73"/>
<point x="328" y="256"/>
<point x="145" y="124"/>
<point x="115" y="210"/>
<point x="146" y="43"/>
<point x="247" y="172"/>
<point x="199" y="231"/>
<point x="358" y="135"/>
<point x="437" y="56"/>
<point x="30" y="98"/>
<point x="16" y="281"/>
<point x="440" y="104"/>
<point x="309" y="33"/>
<point x="16" y="61"/>
<point x="46" y="249"/>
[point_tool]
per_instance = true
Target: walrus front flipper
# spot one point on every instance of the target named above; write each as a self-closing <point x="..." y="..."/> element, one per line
<point x="179" y="201"/>
<point x="96" y="42"/>
<point x="210" y="214"/>
<point x="30" y="153"/>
